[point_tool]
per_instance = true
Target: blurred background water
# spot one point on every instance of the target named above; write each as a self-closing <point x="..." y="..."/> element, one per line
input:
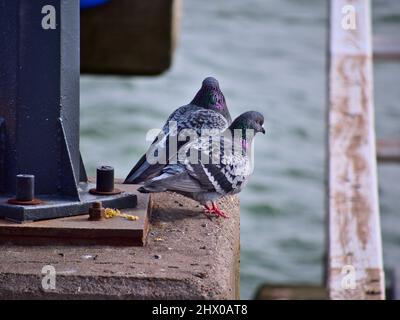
<point x="269" y="56"/>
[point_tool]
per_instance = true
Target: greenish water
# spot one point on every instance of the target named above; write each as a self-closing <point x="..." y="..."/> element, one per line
<point x="268" y="56"/>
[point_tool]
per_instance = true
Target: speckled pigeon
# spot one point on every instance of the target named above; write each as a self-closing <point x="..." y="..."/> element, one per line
<point x="207" y="110"/>
<point x="223" y="165"/>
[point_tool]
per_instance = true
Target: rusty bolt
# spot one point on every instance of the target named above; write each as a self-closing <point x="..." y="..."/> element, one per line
<point x="96" y="212"/>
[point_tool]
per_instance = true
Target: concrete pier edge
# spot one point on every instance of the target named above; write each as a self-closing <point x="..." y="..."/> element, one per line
<point x="187" y="257"/>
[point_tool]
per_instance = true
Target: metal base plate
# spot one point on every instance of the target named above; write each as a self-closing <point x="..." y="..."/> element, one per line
<point x="78" y="230"/>
<point x="53" y="207"/>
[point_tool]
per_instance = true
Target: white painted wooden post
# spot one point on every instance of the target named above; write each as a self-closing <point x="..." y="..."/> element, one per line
<point x="355" y="267"/>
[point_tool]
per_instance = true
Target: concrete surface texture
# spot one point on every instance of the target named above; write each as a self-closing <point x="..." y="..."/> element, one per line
<point x="187" y="257"/>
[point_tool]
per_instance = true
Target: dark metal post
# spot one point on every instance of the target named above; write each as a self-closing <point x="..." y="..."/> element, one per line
<point x="39" y="111"/>
<point x="39" y="93"/>
<point x="105" y="179"/>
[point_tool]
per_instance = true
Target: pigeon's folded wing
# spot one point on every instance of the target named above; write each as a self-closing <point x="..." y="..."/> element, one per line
<point x="205" y="174"/>
<point x="143" y="169"/>
<point x="219" y="168"/>
<point x="196" y="120"/>
<point x="173" y="178"/>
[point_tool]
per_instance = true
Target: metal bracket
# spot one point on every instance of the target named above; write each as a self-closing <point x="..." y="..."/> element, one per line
<point x="39" y="109"/>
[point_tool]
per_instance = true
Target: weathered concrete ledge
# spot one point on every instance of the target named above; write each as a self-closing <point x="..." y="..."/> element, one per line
<point x="187" y="257"/>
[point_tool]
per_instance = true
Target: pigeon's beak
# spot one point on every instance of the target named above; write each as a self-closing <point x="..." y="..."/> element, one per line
<point x="263" y="130"/>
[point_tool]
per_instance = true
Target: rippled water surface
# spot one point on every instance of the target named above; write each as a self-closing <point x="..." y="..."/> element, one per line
<point x="268" y="56"/>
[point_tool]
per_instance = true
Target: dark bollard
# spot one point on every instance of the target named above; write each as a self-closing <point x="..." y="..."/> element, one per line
<point x="105" y="181"/>
<point x="25" y="191"/>
<point x="25" y="187"/>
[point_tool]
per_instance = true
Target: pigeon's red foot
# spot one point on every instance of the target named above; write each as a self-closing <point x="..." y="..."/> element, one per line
<point x="214" y="210"/>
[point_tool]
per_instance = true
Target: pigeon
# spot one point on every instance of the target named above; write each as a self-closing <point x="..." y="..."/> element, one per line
<point x="222" y="167"/>
<point x="207" y="110"/>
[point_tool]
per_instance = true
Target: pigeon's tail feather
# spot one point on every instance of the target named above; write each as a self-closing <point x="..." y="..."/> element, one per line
<point x="143" y="190"/>
<point x="156" y="184"/>
<point x="173" y="178"/>
<point x="142" y="171"/>
<point x="136" y="171"/>
<point x="151" y="187"/>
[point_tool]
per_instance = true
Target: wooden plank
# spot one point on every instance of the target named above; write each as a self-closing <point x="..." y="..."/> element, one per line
<point x="354" y="267"/>
<point x="388" y="150"/>
<point x="387" y="47"/>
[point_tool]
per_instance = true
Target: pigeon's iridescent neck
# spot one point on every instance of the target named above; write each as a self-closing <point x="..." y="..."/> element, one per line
<point x="210" y="100"/>
<point x="245" y="138"/>
<point x="245" y="144"/>
<point x="218" y="100"/>
<point x="220" y="106"/>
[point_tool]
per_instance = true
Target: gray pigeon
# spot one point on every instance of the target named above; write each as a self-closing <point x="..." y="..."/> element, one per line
<point x="223" y="165"/>
<point x="207" y="110"/>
